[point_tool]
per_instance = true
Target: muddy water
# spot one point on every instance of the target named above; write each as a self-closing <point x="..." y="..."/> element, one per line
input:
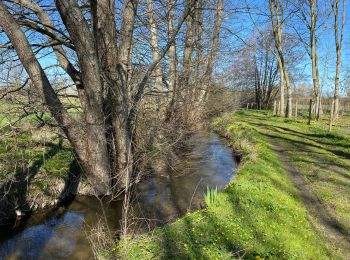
<point x="159" y="199"/>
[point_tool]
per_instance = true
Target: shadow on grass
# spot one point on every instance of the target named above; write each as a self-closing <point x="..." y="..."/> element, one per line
<point x="321" y="138"/>
<point x="14" y="192"/>
<point x="305" y="146"/>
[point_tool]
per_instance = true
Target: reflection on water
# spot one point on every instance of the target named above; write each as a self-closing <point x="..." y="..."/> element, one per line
<point x="165" y="196"/>
<point x="161" y="198"/>
<point x="61" y="235"/>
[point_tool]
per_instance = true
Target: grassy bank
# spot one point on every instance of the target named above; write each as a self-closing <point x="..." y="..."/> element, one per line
<point x="33" y="171"/>
<point x="258" y="215"/>
<point x="323" y="159"/>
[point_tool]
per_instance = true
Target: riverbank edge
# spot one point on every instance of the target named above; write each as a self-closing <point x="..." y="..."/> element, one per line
<point x="257" y="215"/>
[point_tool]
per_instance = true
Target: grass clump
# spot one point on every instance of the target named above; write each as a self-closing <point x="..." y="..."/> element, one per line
<point x="259" y="214"/>
<point x="210" y="197"/>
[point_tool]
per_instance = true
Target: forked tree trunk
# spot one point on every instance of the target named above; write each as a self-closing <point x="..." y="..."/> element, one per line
<point x="277" y="19"/>
<point x="104" y="139"/>
<point x="314" y="57"/>
<point x="88" y="143"/>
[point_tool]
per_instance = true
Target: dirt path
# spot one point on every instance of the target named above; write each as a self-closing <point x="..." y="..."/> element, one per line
<point x="320" y="217"/>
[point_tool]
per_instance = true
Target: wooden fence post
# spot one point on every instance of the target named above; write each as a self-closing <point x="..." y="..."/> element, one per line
<point x="310" y="111"/>
<point x="331" y="116"/>
<point x="296" y="108"/>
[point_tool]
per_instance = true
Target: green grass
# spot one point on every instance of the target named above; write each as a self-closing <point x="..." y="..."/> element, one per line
<point x="211" y="196"/>
<point x="322" y="157"/>
<point x="12" y="111"/>
<point x="258" y="215"/>
<point x="20" y="153"/>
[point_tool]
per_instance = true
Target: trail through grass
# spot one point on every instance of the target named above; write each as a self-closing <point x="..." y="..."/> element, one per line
<point x="323" y="161"/>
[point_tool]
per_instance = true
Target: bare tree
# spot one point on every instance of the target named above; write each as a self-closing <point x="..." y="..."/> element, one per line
<point x="155" y="54"/>
<point x="339" y="36"/>
<point x="103" y="139"/>
<point x="266" y="72"/>
<point x="173" y="89"/>
<point x="310" y="16"/>
<point x="215" y="45"/>
<point x="277" y="9"/>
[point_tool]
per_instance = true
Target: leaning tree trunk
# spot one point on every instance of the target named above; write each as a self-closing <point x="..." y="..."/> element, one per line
<point x="89" y="144"/>
<point x="103" y="139"/>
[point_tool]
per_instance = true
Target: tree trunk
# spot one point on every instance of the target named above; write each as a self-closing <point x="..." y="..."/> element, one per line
<point x="282" y="86"/>
<point x="158" y="75"/>
<point x="122" y="125"/>
<point x="188" y="50"/>
<point x="214" y="49"/>
<point x="104" y="138"/>
<point x="276" y="16"/>
<point x="289" y="110"/>
<point x="314" y="58"/>
<point x="338" y="46"/>
<point x="172" y="61"/>
<point x="88" y="143"/>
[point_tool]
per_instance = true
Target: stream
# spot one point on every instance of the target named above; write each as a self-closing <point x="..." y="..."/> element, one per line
<point x="160" y="199"/>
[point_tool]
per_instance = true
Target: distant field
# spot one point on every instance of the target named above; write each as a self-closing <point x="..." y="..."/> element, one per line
<point x="11" y="111"/>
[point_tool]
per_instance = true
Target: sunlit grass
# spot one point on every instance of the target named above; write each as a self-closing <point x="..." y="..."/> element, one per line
<point x="322" y="157"/>
<point x="257" y="215"/>
<point x="211" y="196"/>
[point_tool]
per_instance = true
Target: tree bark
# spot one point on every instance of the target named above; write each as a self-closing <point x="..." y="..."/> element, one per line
<point x="172" y="61"/>
<point x="214" y="48"/>
<point x="314" y="57"/>
<point x="277" y="17"/>
<point x="97" y="159"/>
<point x="123" y="126"/>
<point x="104" y="138"/>
<point x="338" y="47"/>
<point x="158" y="75"/>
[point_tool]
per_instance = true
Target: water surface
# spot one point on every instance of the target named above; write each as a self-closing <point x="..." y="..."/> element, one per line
<point x="159" y="199"/>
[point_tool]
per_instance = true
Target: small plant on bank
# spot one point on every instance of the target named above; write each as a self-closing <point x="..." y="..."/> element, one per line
<point x="210" y="197"/>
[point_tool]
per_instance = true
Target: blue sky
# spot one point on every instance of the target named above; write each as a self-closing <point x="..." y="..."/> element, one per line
<point x="242" y="24"/>
<point x="237" y="21"/>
